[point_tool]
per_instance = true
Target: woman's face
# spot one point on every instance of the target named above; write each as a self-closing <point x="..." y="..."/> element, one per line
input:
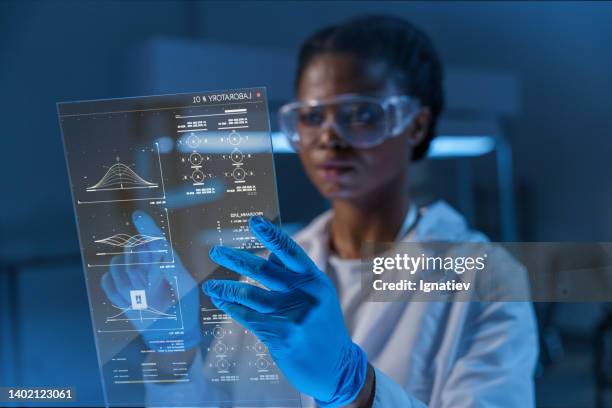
<point x="338" y="170"/>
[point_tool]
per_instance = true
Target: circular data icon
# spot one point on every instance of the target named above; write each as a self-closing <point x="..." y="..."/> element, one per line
<point x="222" y="364"/>
<point x="234" y="138"/>
<point x="238" y="173"/>
<point x="237" y="156"/>
<point x="193" y="141"/>
<point x="259" y="347"/>
<point x="262" y="363"/>
<point x="220" y="348"/>
<point x="197" y="176"/>
<point x="218" y="332"/>
<point x="195" y="159"/>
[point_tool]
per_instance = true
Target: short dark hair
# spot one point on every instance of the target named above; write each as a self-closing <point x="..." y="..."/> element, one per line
<point x="407" y="51"/>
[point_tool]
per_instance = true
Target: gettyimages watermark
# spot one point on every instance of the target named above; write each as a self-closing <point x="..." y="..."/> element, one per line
<point x="487" y="271"/>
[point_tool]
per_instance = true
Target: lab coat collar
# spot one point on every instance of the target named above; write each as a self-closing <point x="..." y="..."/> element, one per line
<point x="437" y="222"/>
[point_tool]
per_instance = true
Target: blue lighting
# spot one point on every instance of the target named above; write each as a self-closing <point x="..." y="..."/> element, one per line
<point x="460" y="146"/>
<point x="280" y="144"/>
<point x="441" y="147"/>
<point x="166" y="144"/>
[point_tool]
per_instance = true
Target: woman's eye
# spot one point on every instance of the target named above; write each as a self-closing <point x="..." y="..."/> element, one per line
<point x="362" y="115"/>
<point x="311" y="118"/>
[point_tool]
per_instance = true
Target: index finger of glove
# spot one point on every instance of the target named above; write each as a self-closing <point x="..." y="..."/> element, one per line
<point x="253" y="297"/>
<point x="270" y="275"/>
<point x="280" y="244"/>
<point x="149" y="234"/>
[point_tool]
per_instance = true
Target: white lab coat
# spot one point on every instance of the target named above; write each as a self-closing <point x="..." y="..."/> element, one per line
<point x="436" y="354"/>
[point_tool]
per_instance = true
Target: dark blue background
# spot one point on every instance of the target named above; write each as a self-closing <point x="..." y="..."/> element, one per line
<point x="58" y="51"/>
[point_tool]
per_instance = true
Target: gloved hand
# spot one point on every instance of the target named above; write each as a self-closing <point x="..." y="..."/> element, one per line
<point x="299" y="318"/>
<point x="143" y="271"/>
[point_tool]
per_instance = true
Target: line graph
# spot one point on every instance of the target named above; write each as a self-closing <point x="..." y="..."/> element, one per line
<point x="156" y="315"/>
<point x="120" y="176"/>
<point x="130" y="247"/>
<point x="141" y="316"/>
<point x="127" y="241"/>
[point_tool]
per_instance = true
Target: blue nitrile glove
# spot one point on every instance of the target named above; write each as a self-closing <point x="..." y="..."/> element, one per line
<point x="141" y="270"/>
<point x="299" y="318"/>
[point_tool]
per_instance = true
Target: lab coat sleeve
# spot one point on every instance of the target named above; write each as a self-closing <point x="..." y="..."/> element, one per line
<point x="388" y="393"/>
<point x="498" y="355"/>
<point x="497" y="360"/>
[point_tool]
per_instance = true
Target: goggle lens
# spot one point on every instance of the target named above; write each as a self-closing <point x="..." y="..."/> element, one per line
<point x="361" y="123"/>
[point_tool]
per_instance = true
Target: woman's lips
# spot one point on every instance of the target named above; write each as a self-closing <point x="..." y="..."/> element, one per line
<point x="335" y="171"/>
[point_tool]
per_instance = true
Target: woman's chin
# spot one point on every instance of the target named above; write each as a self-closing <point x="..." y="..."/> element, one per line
<point x="333" y="191"/>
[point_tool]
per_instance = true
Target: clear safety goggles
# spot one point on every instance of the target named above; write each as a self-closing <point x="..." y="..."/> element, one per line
<point x="360" y="121"/>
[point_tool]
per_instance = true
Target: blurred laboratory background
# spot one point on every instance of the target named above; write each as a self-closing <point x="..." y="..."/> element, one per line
<point x="523" y="149"/>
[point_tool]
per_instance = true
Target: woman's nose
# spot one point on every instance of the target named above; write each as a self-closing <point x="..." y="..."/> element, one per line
<point x="330" y="136"/>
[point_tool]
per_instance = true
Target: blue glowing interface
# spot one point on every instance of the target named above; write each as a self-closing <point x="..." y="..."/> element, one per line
<point x="156" y="181"/>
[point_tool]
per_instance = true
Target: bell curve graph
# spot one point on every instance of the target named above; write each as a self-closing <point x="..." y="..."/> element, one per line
<point x="117" y="177"/>
<point x="129" y="244"/>
<point x="128" y="241"/>
<point x="121" y="177"/>
<point x="140" y="311"/>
